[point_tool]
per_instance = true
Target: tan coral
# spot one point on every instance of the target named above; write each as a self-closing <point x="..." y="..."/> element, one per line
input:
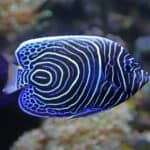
<point x="18" y="14"/>
<point x="104" y="131"/>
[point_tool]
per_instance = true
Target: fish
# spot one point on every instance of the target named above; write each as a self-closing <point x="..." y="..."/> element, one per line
<point x="73" y="76"/>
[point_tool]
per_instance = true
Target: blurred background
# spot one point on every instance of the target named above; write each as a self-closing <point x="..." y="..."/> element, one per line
<point x="126" y="127"/>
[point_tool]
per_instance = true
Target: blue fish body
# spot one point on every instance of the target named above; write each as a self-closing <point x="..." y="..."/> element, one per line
<point x="75" y="76"/>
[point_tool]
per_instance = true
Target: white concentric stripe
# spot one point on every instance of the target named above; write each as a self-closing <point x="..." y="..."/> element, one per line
<point x="103" y="42"/>
<point x="78" y="73"/>
<point x="41" y="70"/>
<point x="70" y="45"/>
<point x="112" y="66"/>
<point x="25" y="77"/>
<point x="109" y="59"/>
<point x="104" y="98"/>
<point x="142" y="78"/>
<point x="99" y="71"/>
<point x="112" y="97"/>
<point x="69" y="75"/>
<point x="125" y="60"/>
<point x="119" y="81"/>
<point x="52" y="39"/>
<point x="131" y="59"/>
<point x="65" y="101"/>
<point x="61" y="77"/>
<point x="79" y="85"/>
<point x="134" y="78"/>
<point x="58" y="61"/>
<point x="120" y="68"/>
<point x="99" y="77"/>
<point x="113" y="73"/>
<point x="103" y="47"/>
<point x="119" y="99"/>
<point x="55" y="75"/>
<point x="101" y="89"/>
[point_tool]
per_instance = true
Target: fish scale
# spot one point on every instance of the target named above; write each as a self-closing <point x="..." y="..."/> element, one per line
<point x="75" y="76"/>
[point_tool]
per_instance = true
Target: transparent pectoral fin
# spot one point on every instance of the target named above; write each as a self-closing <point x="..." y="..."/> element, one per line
<point x="11" y="84"/>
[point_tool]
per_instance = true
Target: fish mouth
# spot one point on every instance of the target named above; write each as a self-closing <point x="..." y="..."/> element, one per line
<point x="143" y="78"/>
<point x="136" y="80"/>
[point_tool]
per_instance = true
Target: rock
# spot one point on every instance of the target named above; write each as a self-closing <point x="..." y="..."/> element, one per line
<point x="104" y="131"/>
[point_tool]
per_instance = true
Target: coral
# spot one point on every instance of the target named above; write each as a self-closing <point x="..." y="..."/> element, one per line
<point x="105" y="131"/>
<point x="31" y="141"/>
<point x="17" y="15"/>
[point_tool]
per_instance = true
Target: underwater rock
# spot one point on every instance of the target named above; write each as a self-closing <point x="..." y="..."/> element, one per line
<point x="104" y="131"/>
<point x="141" y="121"/>
<point x="34" y="140"/>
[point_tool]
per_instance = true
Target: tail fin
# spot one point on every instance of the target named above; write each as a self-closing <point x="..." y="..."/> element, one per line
<point x="11" y="85"/>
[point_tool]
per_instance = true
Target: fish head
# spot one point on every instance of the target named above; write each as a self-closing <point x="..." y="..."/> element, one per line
<point x="136" y="76"/>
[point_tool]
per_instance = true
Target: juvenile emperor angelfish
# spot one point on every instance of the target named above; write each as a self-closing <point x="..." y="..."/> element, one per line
<point x="73" y="76"/>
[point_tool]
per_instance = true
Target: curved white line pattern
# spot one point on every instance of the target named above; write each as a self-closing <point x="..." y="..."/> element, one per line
<point x="48" y="80"/>
<point x="74" y="75"/>
<point x="122" y="74"/>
